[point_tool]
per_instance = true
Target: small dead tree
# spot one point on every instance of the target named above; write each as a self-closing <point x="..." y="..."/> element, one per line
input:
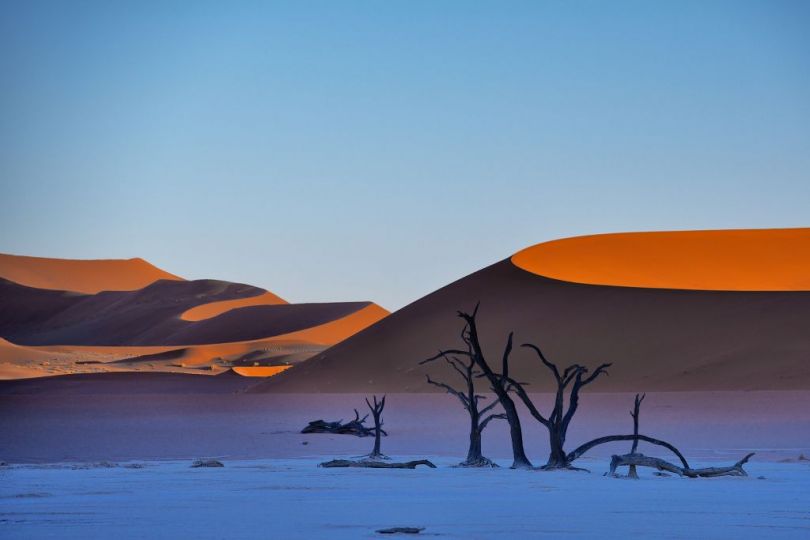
<point x="497" y="382"/>
<point x="470" y="401"/>
<point x="376" y="413"/>
<point x="634" y="413"/>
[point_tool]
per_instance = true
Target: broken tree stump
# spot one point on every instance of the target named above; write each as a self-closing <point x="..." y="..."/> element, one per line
<point x="371" y="464"/>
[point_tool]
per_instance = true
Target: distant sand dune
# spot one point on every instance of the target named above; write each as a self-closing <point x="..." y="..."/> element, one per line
<point x="730" y="260"/>
<point x="86" y="276"/>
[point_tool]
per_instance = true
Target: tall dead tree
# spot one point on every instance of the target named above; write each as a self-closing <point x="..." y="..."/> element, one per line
<point x="497" y="382"/>
<point x="574" y="376"/>
<point x="376" y="413"/>
<point x="470" y="400"/>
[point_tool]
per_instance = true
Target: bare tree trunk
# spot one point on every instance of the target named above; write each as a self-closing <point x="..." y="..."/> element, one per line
<point x="498" y="384"/>
<point x="376" y="413"/>
<point x="556" y="457"/>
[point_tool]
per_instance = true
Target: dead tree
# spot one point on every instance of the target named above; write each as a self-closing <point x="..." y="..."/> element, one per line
<point x="470" y="401"/>
<point x="376" y="413"/>
<point x="635" y="459"/>
<point x="497" y="383"/>
<point x="574" y="376"/>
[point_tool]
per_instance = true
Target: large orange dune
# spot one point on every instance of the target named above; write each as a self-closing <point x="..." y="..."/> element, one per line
<point x="663" y="335"/>
<point x="730" y="260"/>
<point x="85" y="276"/>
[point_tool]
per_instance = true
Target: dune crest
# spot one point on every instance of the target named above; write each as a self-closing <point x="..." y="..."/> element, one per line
<point x="723" y="260"/>
<point x="85" y="276"/>
<point x="212" y="309"/>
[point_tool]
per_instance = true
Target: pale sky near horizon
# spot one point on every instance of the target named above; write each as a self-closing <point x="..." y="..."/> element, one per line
<point x="380" y="150"/>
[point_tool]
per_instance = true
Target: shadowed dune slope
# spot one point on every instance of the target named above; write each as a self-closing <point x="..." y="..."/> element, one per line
<point x="86" y="276"/>
<point x="657" y="339"/>
<point x="151" y="316"/>
<point x="737" y="260"/>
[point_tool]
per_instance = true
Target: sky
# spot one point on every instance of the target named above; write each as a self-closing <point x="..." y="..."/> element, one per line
<point x="333" y="151"/>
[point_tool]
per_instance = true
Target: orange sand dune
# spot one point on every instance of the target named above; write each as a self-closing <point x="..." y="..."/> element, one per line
<point x="85" y="276"/>
<point x="340" y="329"/>
<point x="730" y="260"/>
<point x="262" y="371"/>
<point x="206" y="311"/>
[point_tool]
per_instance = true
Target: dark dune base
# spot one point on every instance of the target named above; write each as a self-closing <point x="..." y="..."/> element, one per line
<point x="657" y="339"/>
<point x="121" y="417"/>
<point x="126" y="384"/>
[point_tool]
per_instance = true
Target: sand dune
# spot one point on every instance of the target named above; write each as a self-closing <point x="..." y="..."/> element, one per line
<point x="86" y="276"/>
<point x="212" y="309"/>
<point x="734" y="260"/>
<point x="658" y="339"/>
<point x="335" y="331"/>
<point x="151" y="316"/>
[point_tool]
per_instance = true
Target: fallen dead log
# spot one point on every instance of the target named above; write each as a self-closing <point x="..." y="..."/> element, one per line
<point x="354" y="427"/>
<point x="372" y="464"/>
<point x="640" y="460"/>
<point x="401" y="530"/>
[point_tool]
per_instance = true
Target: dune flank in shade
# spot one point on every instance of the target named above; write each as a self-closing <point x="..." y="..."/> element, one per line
<point x="85" y="276"/>
<point x="206" y="311"/>
<point x="723" y="260"/>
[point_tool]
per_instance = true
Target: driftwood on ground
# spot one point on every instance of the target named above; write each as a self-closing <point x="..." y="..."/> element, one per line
<point x="372" y="464"/>
<point x="640" y="460"/>
<point x="354" y="427"/>
<point x="401" y="530"/>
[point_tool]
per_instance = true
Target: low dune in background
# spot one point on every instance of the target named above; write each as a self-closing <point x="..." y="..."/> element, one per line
<point x="85" y="276"/>
<point x="657" y="339"/>
<point x="212" y="309"/>
<point x="730" y="260"/>
<point x="201" y="326"/>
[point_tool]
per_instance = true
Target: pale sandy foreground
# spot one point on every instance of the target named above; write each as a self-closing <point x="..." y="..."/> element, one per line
<point x="293" y="498"/>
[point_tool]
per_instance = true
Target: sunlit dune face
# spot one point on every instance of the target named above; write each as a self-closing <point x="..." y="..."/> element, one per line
<point x="260" y="371"/>
<point x="85" y="276"/>
<point x="734" y="260"/>
<point x="340" y="329"/>
<point x="206" y="311"/>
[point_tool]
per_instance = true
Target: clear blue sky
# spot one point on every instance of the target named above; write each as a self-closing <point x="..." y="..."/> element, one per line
<point x="379" y="150"/>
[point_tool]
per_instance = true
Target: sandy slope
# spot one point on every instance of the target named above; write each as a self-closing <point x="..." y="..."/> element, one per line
<point x="739" y="260"/>
<point x="212" y="309"/>
<point x="151" y="316"/>
<point x="86" y="276"/>
<point x="657" y="339"/>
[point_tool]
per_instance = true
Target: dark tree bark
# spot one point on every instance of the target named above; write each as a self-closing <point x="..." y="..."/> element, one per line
<point x="376" y="413"/>
<point x="370" y="464"/>
<point x="634" y="413"/>
<point x="498" y="383"/>
<point x="470" y="401"/>
<point x="557" y="423"/>
<point x="354" y="427"/>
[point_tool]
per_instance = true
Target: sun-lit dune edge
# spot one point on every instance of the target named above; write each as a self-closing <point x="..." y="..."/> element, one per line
<point x="85" y="276"/>
<point x="207" y="311"/>
<point x="730" y="260"/>
<point x="340" y="329"/>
